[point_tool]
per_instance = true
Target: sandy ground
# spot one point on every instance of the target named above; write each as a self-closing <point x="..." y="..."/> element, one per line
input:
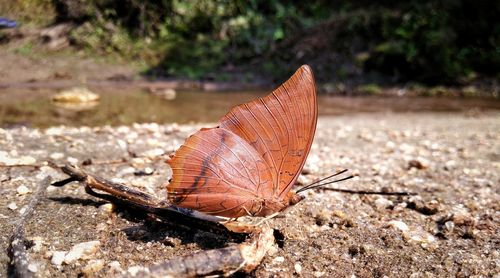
<point x="451" y="228"/>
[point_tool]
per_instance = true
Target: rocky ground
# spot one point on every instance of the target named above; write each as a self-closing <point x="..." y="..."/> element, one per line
<point x="451" y="228"/>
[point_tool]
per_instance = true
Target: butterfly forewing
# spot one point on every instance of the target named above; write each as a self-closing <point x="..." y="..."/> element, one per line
<point x="280" y="127"/>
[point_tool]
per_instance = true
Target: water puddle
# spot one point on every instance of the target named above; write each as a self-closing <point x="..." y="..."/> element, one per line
<point x="122" y="106"/>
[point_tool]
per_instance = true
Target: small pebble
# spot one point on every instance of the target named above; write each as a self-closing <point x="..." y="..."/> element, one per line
<point x="322" y="218"/>
<point x="319" y="273"/>
<point x="23" y="190"/>
<point x="37" y="244"/>
<point x="56" y="156"/>
<point x="383" y="203"/>
<point x="107" y="208"/>
<point x="171" y="241"/>
<point x="122" y="144"/>
<point x="278" y="260"/>
<point x="92" y="267"/>
<point x="22" y="210"/>
<point x="58" y="257"/>
<point x="134" y="270"/>
<point x="450" y="165"/>
<point x="72" y="160"/>
<point x="153" y="153"/>
<point x="115" y="265"/>
<point x="81" y="251"/>
<point x="419" y="163"/>
<point x="10" y="159"/>
<point x="126" y="171"/>
<point x="12" y="206"/>
<point x="298" y="268"/>
<point x="32" y="267"/>
<point x="399" y="225"/>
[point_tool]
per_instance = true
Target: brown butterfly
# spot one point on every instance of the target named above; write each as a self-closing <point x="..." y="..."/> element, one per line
<point x="248" y="164"/>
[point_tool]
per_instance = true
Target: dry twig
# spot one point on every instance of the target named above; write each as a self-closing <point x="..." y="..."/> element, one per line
<point x="19" y="262"/>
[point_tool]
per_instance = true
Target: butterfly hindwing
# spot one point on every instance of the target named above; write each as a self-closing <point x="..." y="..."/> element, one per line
<point x="217" y="172"/>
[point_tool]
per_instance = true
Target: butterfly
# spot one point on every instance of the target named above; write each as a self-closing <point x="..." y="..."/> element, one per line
<point x="249" y="163"/>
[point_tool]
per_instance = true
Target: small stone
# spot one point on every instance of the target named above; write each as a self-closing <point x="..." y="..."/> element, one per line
<point x="12" y="206"/>
<point x="23" y="190"/>
<point x="298" y="268"/>
<point x="153" y="153"/>
<point x="46" y="171"/>
<point x="149" y="170"/>
<point x="134" y="270"/>
<point x="76" y="95"/>
<point x="115" y="265"/>
<point x="449" y="225"/>
<point x="92" y="267"/>
<point x="430" y="208"/>
<point x="319" y="273"/>
<point x="58" y="257"/>
<point x="56" y="156"/>
<point x="81" y="251"/>
<point x="390" y="145"/>
<point x="122" y="144"/>
<point x="22" y="210"/>
<point x="171" y="241"/>
<point x="32" y="267"/>
<point x="339" y="214"/>
<point x="450" y="165"/>
<point x="418" y="163"/>
<point x="37" y="244"/>
<point x="278" y="260"/>
<point x="123" y="129"/>
<point x="145" y="172"/>
<point x="26" y="160"/>
<point x="322" y="218"/>
<point x="168" y="94"/>
<point x="107" y="208"/>
<point x="400" y="225"/>
<point x="426" y="240"/>
<point x="126" y="171"/>
<point x="10" y="159"/>
<point x="72" y="160"/>
<point x="383" y="203"/>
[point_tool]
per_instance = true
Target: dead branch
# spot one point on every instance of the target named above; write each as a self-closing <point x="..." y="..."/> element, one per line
<point x="224" y="261"/>
<point x="17" y="251"/>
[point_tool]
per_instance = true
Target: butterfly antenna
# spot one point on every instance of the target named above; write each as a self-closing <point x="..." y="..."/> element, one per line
<point x="364" y="192"/>
<point x="318" y="182"/>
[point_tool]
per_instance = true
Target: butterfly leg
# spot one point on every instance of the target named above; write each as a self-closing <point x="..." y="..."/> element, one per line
<point x="267" y="218"/>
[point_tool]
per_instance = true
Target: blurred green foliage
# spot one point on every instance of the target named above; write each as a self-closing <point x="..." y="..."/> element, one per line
<point x="436" y="41"/>
<point x="28" y="11"/>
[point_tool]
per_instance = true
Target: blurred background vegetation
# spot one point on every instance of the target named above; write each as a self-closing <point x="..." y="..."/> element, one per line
<point x="429" y="42"/>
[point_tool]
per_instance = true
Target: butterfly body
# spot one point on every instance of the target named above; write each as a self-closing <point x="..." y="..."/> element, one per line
<point x="249" y="163"/>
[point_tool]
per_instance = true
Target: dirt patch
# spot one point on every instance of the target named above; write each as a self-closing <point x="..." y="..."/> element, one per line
<point x="450" y="229"/>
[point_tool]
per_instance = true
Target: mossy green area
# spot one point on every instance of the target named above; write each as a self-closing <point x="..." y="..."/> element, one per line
<point x="428" y="42"/>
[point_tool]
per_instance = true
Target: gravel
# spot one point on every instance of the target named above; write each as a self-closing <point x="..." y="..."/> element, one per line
<point x="451" y="228"/>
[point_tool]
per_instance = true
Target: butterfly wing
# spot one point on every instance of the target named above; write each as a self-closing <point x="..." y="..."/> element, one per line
<point x="280" y="127"/>
<point x="218" y="173"/>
